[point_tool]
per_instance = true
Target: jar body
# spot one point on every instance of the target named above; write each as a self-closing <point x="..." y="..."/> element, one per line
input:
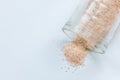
<point x="72" y="24"/>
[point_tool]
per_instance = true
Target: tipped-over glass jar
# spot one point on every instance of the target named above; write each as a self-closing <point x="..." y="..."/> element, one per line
<point x="91" y="17"/>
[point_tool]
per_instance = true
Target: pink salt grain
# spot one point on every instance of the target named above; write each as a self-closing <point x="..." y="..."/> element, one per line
<point x="75" y="53"/>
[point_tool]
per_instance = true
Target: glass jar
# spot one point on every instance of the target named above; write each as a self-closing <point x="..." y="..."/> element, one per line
<point x="72" y="24"/>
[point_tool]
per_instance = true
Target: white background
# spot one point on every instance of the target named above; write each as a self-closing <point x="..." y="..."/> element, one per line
<point x="31" y="41"/>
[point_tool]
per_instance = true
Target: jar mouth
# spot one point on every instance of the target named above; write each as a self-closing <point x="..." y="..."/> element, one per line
<point x="70" y="33"/>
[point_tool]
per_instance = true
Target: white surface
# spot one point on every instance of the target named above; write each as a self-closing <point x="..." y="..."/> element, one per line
<point x="31" y="39"/>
